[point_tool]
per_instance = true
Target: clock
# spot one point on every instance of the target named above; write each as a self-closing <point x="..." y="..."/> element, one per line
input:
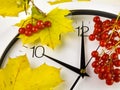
<point x="73" y="56"/>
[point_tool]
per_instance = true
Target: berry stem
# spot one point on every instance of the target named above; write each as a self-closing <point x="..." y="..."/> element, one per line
<point x="114" y="47"/>
<point x="107" y="63"/>
<point x="118" y="17"/>
<point x="29" y="21"/>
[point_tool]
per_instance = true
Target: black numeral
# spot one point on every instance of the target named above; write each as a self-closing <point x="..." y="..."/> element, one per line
<point x="35" y="52"/>
<point x="86" y="28"/>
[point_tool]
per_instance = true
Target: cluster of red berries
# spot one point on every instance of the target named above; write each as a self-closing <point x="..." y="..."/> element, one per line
<point x="30" y="28"/>
<point x="106" y="32"/>
<point x="107" y="66"/>
<point x="107" y="63"/>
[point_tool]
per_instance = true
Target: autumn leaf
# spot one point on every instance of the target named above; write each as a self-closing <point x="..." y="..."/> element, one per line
<point x="49" y="36"/>
<point x="18" y="75"/>
<point x="12" y="7"/>
<point x="59" y="1"/>
<point x="62" y="1"/>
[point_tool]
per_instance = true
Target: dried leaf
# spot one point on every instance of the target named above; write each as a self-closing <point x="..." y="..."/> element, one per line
<point x="18" y="75"/>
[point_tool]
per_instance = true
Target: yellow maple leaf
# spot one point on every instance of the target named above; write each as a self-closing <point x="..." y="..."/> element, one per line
<point x="12" y="7"/>
<point x="59" y="1"/>
<point x="18" y="75"/>
<point x="62" y="1"/>
<point x="50" y="36"/>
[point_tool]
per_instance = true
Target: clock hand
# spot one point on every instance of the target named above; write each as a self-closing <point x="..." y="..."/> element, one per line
<point x="91" y="58"/>
<point x="82" y="60"/>
<point x="75" y="82"/>
<point x="81" y="74"/>
<point x="82" y="63"/>
<point x="74" y="69"/>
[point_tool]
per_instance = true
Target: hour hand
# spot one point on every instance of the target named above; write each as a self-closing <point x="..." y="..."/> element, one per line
<point x="82" y="59"/>
<point x="70" y="67"/>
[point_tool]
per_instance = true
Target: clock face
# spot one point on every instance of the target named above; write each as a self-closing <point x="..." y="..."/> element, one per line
<point x="68" y="55"/>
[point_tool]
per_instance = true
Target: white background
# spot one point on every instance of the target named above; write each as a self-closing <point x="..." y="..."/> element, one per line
<point x="7" y="31"/>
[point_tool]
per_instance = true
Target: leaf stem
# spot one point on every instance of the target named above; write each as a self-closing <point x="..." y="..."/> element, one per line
<point x="39" y="10"/>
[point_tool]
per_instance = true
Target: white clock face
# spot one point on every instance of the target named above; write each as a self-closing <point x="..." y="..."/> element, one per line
<point x="70" y="53"/>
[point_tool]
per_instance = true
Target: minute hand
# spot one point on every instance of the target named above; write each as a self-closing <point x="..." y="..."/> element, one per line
<point x="82" y="63"/>
<point x="82" y="60"/>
